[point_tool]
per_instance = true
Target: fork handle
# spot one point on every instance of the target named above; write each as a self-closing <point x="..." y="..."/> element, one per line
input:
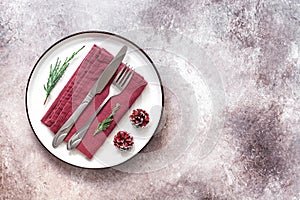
<point x="78" y="136"/>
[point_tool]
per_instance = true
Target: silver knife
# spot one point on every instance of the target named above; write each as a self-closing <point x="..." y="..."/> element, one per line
<point x="97" y="88"/>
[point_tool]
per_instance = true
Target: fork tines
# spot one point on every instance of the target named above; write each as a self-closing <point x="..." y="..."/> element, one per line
<point x="124" y="76"/>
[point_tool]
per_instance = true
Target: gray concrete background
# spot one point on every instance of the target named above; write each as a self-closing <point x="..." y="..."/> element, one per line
<point x="254" y="47"/>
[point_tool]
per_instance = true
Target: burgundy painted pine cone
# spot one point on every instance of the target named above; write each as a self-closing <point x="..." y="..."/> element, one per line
<point x="139" y="118"/>
<point x="123" y="140"/>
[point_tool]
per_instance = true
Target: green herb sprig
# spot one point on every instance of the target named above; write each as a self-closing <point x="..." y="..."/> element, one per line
<point x="56" y="73"/>
<point x="106" y="122"/>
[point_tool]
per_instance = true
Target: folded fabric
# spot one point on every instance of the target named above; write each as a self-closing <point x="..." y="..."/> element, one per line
<point x="75" y="91"/>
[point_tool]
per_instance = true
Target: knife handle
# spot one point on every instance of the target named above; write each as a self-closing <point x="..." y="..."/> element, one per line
<point x="65" y="129"/>
<point x="63" y="132"/>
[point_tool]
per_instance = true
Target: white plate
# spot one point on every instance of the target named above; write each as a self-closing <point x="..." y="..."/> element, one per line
<point x="151" y="99"/>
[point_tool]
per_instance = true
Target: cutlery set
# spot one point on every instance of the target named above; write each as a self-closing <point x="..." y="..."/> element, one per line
<point x="102" y="108"/>
<point x="117" y="87"/>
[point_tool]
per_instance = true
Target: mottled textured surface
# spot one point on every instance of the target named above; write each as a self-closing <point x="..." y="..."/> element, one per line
<point x="253" y="45"/>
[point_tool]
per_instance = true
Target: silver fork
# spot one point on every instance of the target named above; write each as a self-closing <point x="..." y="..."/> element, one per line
<point x="117" y="87"/>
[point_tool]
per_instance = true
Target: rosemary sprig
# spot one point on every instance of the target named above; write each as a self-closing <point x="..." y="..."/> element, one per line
<point x="106" y="122"/>
<point x="56" y="73"/>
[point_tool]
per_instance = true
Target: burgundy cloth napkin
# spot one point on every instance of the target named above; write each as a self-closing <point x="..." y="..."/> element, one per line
<point x="75" y="91"/>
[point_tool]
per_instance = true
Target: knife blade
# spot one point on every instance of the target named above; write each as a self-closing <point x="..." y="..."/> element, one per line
<point x="100" y="84"/>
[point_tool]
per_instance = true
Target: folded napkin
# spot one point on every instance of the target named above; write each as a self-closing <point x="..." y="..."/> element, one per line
<point x="75" y="91"/>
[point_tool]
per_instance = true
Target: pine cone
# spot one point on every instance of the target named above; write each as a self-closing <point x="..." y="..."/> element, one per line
<point x="139" y="118"/>
<point x="123" y="140"/>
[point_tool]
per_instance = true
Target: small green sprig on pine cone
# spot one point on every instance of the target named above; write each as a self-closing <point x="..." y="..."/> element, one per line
<point x="106" y="122"/>
<point x="56" y="73"/>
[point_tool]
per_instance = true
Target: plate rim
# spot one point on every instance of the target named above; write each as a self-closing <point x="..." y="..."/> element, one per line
<point x="82" y="33"/>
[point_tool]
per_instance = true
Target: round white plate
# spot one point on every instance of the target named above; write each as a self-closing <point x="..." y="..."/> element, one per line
<point x="151" y="99"/>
